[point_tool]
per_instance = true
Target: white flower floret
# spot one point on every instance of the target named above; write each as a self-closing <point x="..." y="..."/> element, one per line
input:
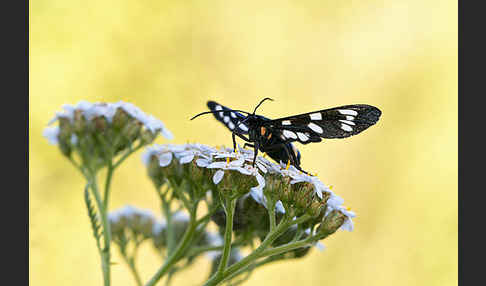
<point x="158" y="227"/>
<point x="52" y="133"/>
<point x="236" y="165"/>
<point x="149" y="151"/>
<point x="348" y="223"/>
<point x="165" y="159"/>
<point x="180" y="216"/>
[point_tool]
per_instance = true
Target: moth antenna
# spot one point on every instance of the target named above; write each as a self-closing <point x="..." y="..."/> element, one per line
<point x="266" y="98"/>
<point x="215" y="111"/>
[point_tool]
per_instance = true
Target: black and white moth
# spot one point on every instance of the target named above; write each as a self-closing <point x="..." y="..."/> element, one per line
<point x="275" y="137"/>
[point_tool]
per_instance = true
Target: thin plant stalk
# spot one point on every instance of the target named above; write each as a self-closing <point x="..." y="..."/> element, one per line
<point x="105" y="251"/>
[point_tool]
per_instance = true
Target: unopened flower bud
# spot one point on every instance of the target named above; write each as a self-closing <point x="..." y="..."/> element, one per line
<point x="147" y="136"/>
<point x="79" y="122"/>
<point x="120" y="119"/>
<point x="100" y="123"/>
<point x="332" y="222"/>
<point x="131" y="130"/>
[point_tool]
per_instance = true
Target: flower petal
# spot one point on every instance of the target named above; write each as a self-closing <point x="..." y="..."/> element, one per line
<point x="186" y="159"/>
<point x="257" y="194"/>
<point x="52" y="133"/>
<point x="165" y="159"/>
<point x="320" y="246"/>
<point x="335" y="201"/>
<point x="218" y="176"/>
<point x="279" y="207"/>
<point x="347" y="225"/>
<point x="202" y="163"/>
<point x="218" y="165"/>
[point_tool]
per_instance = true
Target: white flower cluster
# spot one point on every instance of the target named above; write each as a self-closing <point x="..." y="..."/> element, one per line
<point x="142" y="220"/>
<point x="224" y="159"/>
<point x="107" y="110"/>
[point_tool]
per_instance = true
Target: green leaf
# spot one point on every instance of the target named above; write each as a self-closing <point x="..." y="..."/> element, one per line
<point x="93" y="216"/>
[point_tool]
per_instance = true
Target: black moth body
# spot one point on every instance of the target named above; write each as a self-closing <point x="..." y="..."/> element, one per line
<point x="279" y="151"/>
<point x="275" y="137"/>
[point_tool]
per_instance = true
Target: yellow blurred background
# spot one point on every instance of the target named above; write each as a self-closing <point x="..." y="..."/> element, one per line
<point x="170" y="57"/>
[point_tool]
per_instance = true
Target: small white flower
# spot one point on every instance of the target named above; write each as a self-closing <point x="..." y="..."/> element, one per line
<point x="236" y="165"/>
<point x="186" y="159"/>
<point x="203" y="162"/>
<point x="158" y="227"/>
<point x="348" y="224"/>
<point x="320" y="246"/>
<point x="52" y="133"/>
<point x="180" y="216"/>
<point x="334" y="201"/>
<point x="279" y="207"/>
<point x="74" y="139"/>
<point x="149" y="151"/>
<point x="165" y="159"/>
<point x="218" y="176"/>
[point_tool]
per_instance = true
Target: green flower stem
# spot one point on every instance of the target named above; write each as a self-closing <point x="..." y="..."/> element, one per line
<point x="257" y="253"/>
<point x="170" y="236"/>
<point x="131" y="264"/>
<point x="271" y="214"/>
<point x="229" y="210"/>
<point x="109" y="175"/>
<point x="181" y="248"/>
<point x="105" y="251"/>
<point x="251" y="267"/>
<point x="128" y="153"/>
<point x="198" y="250"/>
<point x="286" y="247"/>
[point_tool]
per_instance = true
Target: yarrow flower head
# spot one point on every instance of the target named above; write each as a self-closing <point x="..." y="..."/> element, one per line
<point x="99" y="131"/>
<point x="222" y="172"/>
<point x="129" y="222"/>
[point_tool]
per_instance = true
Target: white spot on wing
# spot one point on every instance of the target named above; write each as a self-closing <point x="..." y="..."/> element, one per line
<point x="289" y="134"/>
<point x="226" y="119"/>
<point x="231" y="125"/>
<point x="350" y="117"/>
<point x="243" y="127"/>
<point x="302" y="137"/>
<point x="218" y="107"/>
<point x="316" y="116"/>
<point x="233" y="114"/>
<point x="346" y="127"/>
<point x="348" y="112"/>
<point x="286" y="122"/>
<point x="347" y="122"/>
<point x="315" y="128"/>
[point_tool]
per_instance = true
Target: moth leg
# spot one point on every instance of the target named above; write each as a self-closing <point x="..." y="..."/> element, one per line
<point x="294" y="159"/>
<point x="255" y="150"/>
<point x="248" y="145"/>
<point x="242" y="137"/>
<point x="290" y="154"/>
<point x="234" y="141"/>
